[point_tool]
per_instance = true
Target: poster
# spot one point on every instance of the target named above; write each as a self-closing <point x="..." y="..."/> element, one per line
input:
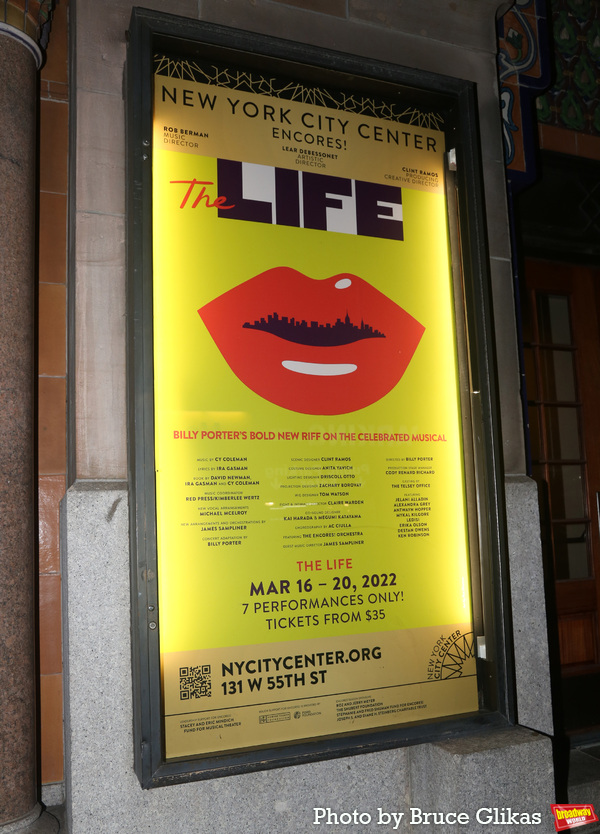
<point x="311" y="518"/>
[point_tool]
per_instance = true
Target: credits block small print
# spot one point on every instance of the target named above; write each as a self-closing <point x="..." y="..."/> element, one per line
<point x="194" y="682"/>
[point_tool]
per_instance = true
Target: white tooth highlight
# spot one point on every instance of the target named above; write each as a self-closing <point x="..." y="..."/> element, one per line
<point x="343" y="283"/>
<point x="319" y="368"/>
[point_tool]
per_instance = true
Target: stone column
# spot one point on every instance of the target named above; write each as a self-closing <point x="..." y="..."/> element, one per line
<point x="20" y="60"/>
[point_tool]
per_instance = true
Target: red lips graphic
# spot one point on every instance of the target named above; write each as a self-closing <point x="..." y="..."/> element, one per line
<point x="314" y="346"/>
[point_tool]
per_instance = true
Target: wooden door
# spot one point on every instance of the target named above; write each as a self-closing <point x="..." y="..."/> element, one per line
<point x="561" y="341"/>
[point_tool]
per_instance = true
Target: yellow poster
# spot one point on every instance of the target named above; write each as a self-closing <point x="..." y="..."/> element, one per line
<point x="311" y="522"/>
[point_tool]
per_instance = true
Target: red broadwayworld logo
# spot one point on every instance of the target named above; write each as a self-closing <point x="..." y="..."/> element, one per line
<point x="570" y="816"/>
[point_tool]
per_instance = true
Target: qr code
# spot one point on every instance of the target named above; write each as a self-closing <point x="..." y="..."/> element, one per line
<point x="194" y="682"/>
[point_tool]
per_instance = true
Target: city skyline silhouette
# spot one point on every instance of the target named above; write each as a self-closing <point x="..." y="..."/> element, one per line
<point x="342" y="332"/>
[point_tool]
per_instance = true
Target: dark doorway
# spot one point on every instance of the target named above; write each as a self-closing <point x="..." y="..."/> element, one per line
<point x="561" y="343"/>
<point x="559" y="226"/>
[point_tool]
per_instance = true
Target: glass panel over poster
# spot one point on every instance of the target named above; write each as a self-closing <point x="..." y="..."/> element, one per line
<point x="313" y="567"/>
